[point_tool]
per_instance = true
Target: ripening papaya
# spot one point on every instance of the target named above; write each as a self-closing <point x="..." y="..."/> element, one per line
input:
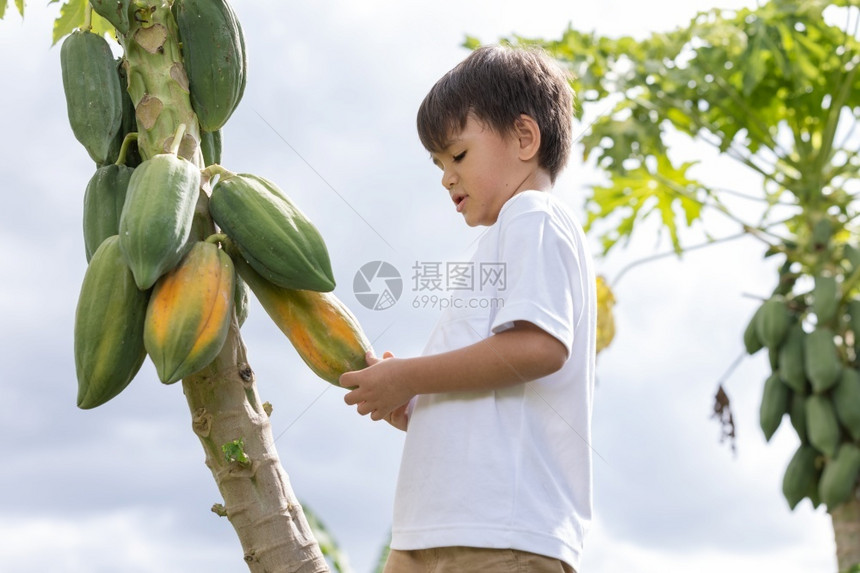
<point x="773" y="322"/>
<point x="93" y="93"/>
<point x="821" y="359"/>
<point x="108" y="327"/>
<point x="774" y="404"/>
<point x="846" y="398"/>
<point x="799" y="475"/>
<point x="271" y="233"/>
<point x="822" y="426"/>
<point x="213" y="48"/>
<point x="157" y="216"/>
<point x="320" y="327"/>
<point x="839" y="477"/>
<point x="189" y="313"/>
<point x="103" y="201"/>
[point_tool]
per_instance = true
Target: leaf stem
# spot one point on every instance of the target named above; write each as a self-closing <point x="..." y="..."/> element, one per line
<point x="88" y="18"/>
<point x="215" y="169"/>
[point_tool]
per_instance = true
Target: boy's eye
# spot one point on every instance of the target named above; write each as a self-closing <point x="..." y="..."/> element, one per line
<point x="459" y="157"/>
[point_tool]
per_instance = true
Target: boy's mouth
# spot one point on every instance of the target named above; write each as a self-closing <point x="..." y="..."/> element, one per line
<point x="458" y="201"/>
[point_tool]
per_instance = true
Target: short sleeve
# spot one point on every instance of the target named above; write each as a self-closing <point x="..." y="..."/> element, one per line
<point x="543" y="280"/>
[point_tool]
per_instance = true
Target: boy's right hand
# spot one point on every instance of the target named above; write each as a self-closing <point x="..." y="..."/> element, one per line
<point x="396" y="417"/>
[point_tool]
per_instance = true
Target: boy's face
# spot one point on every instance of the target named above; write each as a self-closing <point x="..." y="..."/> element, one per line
<point x="481" y="169"/>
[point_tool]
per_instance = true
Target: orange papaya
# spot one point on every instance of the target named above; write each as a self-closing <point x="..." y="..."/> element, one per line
<point x="189" y="314"/>
<point x="324" y="332"/>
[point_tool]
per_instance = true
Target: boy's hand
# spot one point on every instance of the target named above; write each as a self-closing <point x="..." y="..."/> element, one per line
<point x="378" y="390"/>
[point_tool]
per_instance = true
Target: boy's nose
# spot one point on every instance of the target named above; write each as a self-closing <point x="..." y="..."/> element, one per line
<point x="448" y="180"/>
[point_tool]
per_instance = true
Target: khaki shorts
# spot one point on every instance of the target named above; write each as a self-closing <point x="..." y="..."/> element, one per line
<point x="472" y="560"/>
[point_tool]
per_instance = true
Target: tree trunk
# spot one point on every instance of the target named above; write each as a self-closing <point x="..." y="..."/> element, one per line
<point x="846" y="528"/>
<point x="258" y="499"/>
<point x="227" y="414"/>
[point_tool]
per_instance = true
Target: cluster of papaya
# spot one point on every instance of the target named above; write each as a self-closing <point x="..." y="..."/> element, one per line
<point x="813" y="342"/>
<point x="160" y="282"/>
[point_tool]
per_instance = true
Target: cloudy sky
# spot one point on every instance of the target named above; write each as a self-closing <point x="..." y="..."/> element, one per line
<point x="329" y="115"/>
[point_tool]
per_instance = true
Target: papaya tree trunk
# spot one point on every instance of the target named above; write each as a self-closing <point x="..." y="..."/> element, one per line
<point x="227" y="414"/>
<point x="234" y="428"/>
<point x="846" y="528"/>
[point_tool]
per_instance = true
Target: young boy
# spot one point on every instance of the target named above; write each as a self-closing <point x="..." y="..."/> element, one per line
<point x="496" y="469"/>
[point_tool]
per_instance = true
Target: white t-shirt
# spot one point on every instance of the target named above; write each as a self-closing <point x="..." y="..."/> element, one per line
<point x="509" y="468"/>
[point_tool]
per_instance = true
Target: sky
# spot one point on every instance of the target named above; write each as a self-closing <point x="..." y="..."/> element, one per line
<point x="328" y="114"/>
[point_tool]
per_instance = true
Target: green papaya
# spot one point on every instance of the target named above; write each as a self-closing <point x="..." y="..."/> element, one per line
<point x="846" y="399"/>
<point x="799" y="475"/>
<point x="271" y="233"/>
<point x="129" y="125"/>
<point x="854" y="320"/>
<point x="839" y="477"/>
<point x="822" y="232"/>
<point x="752" y="343"/>
<point x="213" y="48"/>
<point x="822" y="426"/>
<point x="157" y="216"/>
<point x="825" y="298"/>
<point x="774" y="404"/>
<point x="852" y="255"/>
<point x="790" y="360"/>
<point x="773" y="322"/>
<point x="114" y="11"/>
<point x="93" y="93"/>
<point x="210" y="146"/>
<point x="108" y="327"/>
<point x="241" y="300"/>
<point x="821" y="359"/>
<point x="797" y="416"/>
<point x="103" y="201"/>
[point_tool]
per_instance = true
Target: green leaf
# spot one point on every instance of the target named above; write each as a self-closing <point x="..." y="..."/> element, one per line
<point x="72" y="15"/>
<point x="20" y="5"/>
<point x="2" y="8"/>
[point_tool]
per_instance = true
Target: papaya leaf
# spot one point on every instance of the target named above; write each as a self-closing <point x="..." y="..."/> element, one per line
<point x="20" y="5"/>
<point x="2" y="8"/>
<point x="72" y="15"/>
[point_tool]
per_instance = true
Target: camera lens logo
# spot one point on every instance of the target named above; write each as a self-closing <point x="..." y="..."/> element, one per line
<point x="377" y="285"/>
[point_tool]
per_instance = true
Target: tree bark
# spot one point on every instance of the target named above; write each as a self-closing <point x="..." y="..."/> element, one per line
<point x="846" y="529"/>
<point x="258" y="498"/>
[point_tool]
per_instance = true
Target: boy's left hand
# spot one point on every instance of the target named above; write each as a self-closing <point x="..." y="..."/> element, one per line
<point x="378" y="389"/>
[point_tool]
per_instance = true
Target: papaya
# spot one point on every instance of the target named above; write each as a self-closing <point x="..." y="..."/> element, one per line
<point x="109" y="320"/>
<point x="210" y="147"/>
<point x="241" y="300"/>
<point x="797" y="416"/>
<point x="324" y="332"/>
<point x="821" y="359"/>
<point x="103" y="201"/>
<point x="799" y="475"/>
<point x="790" y="360"/>
<point x="825" y="298"/>
<point x="213" y="48"/>
<point x="774" y="404"/>
<point x="752" y="343"/>
<point x="822" y="232"/>
<point x="93" y="93"/>
<point x="839" y="477"/>
<point x="114" y="11"/>
<point x="271" y="233"/>
<point x="189" y="313"/>
<point x="854" y="320"/>
<point x="157" y="216"/>
<point x="129" y="124"/>
<point x="773" y="322"/>
<point x="846" y="399"/>
<point x="822" y="427"/>
<point x="852" y="255"/>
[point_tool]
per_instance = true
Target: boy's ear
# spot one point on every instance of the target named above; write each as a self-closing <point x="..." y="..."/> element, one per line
<point x="528" y="134"/>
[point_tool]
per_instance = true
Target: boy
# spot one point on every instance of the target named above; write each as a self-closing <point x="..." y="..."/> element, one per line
<point x="496" y="468"/>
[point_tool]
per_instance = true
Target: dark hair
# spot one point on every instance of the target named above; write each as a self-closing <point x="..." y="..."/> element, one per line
<point x="497" y="84"/>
